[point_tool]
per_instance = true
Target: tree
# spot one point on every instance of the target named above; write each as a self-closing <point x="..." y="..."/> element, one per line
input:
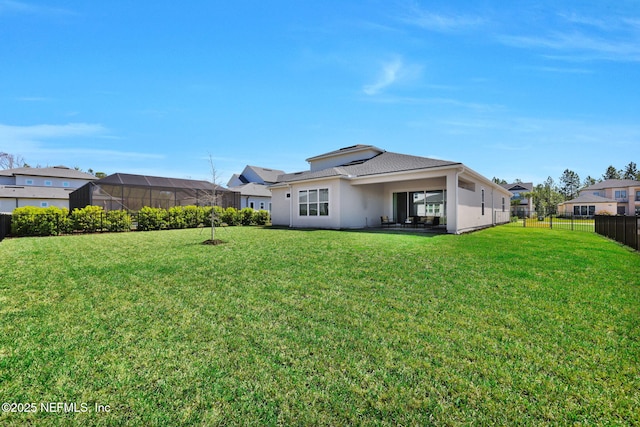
<point x="570" y="184"/>
<point x="11" y="161"/>
<point x="630" y="171"/>
<point x="546" y="197"/>
<point x="213" y="200"/>
<point x="588" y="182"/>
<point x="611" y="173"/>
<point x="499" y="181"/>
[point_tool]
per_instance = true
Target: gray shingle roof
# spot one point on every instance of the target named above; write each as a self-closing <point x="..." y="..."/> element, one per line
<point x="613" y="183"/>
<point x="266" y="174"/>
<point x="252" y="189"/>
<point x="386" y="162"/>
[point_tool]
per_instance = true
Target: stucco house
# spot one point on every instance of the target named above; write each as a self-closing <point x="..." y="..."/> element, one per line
<point x="612" y="196"/>
<point x="521" y="206"/>
<point x="253" y="186"/>
<point x="355" y="186"/>
<point x="42" y="187"/>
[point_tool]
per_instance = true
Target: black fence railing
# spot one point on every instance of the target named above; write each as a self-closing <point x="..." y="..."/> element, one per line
<point x="5" y="225"/>
<point x="553" y="221"/>
<point x="623" y="229"/>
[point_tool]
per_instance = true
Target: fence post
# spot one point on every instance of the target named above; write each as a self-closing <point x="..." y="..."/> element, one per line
<point x="551" y="221"/>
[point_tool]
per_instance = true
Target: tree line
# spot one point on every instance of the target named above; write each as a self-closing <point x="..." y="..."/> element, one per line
<point x="547" y="196"/>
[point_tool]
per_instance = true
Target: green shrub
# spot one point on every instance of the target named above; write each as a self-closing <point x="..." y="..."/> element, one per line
<point x="231" y="216"/>
<point x="176" y="217"/>
<point x="152" y="219"/>
<point x="194" y="216"/>
<point x="89" y="219"/>
<point x="35" y="221"/>
<point x="261" y="217"/>
<point x="246" y="216"/>
<point x="118" y="221"/>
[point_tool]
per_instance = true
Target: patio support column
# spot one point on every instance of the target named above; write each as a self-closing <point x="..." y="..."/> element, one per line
<point x="452" y="201"/>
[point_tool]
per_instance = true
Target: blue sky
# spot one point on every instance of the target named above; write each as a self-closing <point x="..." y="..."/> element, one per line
<point x="520" y="89"/>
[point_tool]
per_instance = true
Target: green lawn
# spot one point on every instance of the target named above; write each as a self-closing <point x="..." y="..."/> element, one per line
<point x="278" y="327"/>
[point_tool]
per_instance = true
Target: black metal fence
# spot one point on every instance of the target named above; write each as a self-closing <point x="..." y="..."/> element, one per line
<point x="559" y="222"/>
<point x="623" y="229"/>
<point x="5" y="225"/>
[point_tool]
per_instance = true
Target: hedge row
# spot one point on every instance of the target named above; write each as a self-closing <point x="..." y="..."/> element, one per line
<point x="34" y="221"/>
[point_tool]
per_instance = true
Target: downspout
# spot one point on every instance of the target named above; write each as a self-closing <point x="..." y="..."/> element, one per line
<point x="460" y="170"/>
<point x="290" y="206"/>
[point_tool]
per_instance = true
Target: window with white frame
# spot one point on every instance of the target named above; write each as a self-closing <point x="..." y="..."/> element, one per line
<point x="313" y="202"/>
<point x="28" y="182"/>
<point x="44" y="204"/>
<point x="48" y="183"/>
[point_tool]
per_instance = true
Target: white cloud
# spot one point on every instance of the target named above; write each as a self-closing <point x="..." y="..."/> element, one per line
<point x="388" y="75"/>
<point x="13" y="6"/>
<point x="444" y="23"/>
<point x="34" y="141"/>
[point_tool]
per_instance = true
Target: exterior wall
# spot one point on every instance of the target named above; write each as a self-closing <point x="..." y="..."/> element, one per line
<point x="8" y="205"/>
<point x="601" y="208"/>
<point x="281" y="206"/>
<point x="41" y="181"/>
<point x="361" y="206"/>
<point x="39" y="203"/>
<point x="470" y="212"/>
<point x="246" y="201"/>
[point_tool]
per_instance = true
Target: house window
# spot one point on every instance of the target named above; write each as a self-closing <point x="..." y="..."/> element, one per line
<point x="621" y="194"/>
<point x="482" y="201"/>
<point x="313" y="202"/>
<point x="261" y="206"/>
<point x="637" y="196"/>
<point x="251" y="205"/>
<point x="48" y="183"/>
<point x="503" y="204"/>
<point x="44" y="204"/>
<point x="65" y="184"/>
<point x="580" y="210"/>
<point x="29" y="182"/>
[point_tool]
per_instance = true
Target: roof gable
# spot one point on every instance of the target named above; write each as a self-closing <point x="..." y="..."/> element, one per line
<point x="344" y="157"/>
<point x="385" y="162"/>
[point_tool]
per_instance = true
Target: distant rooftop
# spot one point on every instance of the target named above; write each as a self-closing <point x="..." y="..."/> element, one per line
<point x="54" y="172"/>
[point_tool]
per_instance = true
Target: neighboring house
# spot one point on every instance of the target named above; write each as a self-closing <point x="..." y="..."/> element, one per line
<point x="132" y="192"/>
<point x="253" y="185"/>
<point x="613" y="196"/>
<point x="42" y="187"/>
<point x="521" y="206"/>
<point x="353" y="187"/>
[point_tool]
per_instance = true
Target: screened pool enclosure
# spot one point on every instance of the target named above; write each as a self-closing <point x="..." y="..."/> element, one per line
<point x="129" y="192"/>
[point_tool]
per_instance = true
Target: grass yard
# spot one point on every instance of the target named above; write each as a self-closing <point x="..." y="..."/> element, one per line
<point x="507" y="326"/>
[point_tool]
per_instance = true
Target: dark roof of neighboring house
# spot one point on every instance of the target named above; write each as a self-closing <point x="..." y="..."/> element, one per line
<point x="54" y="172"/>
<point x="32" y="192"/>
<point x="613" y="183"/>
<point x="590" y="198"/>
<point x="154" y="181"/>
<point x="385" y="162"/>
<point x="518" y="186"/>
